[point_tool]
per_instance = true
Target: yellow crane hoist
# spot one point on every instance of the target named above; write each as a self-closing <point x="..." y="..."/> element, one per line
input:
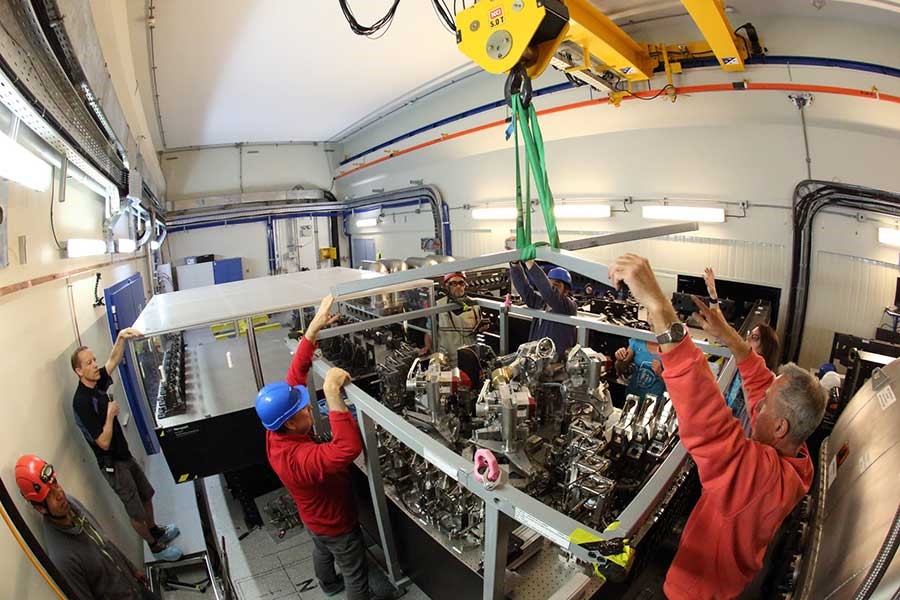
<point x="524" y="37"/>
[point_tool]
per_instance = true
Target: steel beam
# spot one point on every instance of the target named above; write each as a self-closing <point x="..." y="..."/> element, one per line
<point x="254" y="354"/>
<point x="497" y="527"/>
<point x="582" y="266"/>
<point x="711" y="20"/>
<point x="380" y="321"/>
<point x="376" y="488"/>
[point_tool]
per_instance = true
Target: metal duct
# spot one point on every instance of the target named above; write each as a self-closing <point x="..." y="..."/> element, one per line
<point x="427" y="193"/>
<point x="810" y="197"/>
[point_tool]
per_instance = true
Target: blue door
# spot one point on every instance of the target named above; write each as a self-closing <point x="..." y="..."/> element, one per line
<point x="124" y="302"/>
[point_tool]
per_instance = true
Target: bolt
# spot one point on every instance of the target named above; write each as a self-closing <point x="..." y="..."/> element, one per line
<point x="474" y="26"/>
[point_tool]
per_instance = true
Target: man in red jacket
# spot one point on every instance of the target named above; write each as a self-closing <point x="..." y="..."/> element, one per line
<point x="749" y="485"/>
<point x="317" y="475"/>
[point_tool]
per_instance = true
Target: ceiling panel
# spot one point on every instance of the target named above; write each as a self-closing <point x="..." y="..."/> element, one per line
<point x="265" y="70"/>
<point x="291" y="70"/>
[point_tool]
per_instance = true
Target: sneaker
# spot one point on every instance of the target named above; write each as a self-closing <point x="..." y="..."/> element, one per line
<point x="166" y="534"/>
<point x="335" y="588"/>
<point x="169" y="554"/>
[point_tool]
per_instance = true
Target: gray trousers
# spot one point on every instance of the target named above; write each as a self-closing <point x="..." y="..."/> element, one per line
<point x="350" y="553"/>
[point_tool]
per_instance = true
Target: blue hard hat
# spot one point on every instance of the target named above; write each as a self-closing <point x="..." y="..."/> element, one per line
<point x="278" y="402"/>
<point x="560" y="274"/>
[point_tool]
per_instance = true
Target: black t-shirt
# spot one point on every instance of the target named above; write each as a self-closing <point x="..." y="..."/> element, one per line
<point x="90" y="406"/>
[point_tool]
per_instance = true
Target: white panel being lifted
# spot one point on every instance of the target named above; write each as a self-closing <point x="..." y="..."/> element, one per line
<point x="186" y="309"/>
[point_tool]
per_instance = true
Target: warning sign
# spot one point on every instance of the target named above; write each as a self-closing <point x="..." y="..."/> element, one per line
<point x="730" y="60"/>
<point x="497" y="12"/>
<point x="627" y="70"/>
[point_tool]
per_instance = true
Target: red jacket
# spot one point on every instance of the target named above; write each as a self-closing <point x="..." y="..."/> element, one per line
<point x="317" y="475"/>
<point x="748" y="487"/>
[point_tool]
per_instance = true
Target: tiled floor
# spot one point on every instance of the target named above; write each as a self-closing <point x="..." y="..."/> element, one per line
<point x="261" y="567"/>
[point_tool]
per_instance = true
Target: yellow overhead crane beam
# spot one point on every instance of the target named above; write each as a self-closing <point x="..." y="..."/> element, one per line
<point x="503" y="36"/>
<point x="710" y="18"/>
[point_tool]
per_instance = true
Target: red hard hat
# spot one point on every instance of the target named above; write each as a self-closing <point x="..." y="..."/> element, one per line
<point x="450" y="276"/>
<point x="34" y="476"/>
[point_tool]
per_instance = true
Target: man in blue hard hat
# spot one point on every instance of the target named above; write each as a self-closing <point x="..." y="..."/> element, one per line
<point x="317" y="474"/>
<point x="550" y="292"/>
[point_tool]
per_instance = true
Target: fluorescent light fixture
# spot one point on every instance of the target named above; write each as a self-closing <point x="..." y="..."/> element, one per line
<point x="20" y="165"/>
<point x="684" y="213"/>
<point x="78" y="247"/>
<point x="125" y="245"/>
<point x="889" y="236"/>
<point x="498" y="213"/>
<point x="154" y="245"/>
<point x="367" y="222"/>
<point x="582" y="211"/>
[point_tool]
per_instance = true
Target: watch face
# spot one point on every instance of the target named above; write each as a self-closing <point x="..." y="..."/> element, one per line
<point x="678" y="331"/>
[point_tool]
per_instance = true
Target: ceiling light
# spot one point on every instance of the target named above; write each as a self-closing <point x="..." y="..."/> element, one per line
<point x="582" y="211"/>
<point x="125" y="245"/>
<point x="154" y="245"/>
<point x="684" y="213"/>
<point x="499" y="213"/>
<point x="77" y="247"/>
<point x="367" y="222"/>
<point x="889" y="236"/>
<point x="21" y="166"/>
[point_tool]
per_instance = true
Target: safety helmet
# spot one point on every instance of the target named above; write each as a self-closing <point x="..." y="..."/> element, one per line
<point x="35" y="477"/>
<point x="450" y="276"/>
<point x="278" y="402"/>
<point x="560" y="274"/>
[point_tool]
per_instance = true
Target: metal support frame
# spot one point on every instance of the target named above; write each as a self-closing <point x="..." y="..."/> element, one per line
<point x="320" y="425"/>
<point x="142" y="391"/>
<point x="497" y="527"/>
<point x="434" y="322"/>
<point x="559" y="256"/>
<point x="376" y="488"/>
<point x="254" y="354"/>
<point x="388" y="320"/>
<point x="504" y="329"/>
<point x="590" y="321"/>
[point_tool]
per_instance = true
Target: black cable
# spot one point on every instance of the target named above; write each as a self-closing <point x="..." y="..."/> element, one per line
<point x="52" y="227"/>
<point x="653" y="97"/>
<point x="383" y="23"/>
<point x="443" y="13"/>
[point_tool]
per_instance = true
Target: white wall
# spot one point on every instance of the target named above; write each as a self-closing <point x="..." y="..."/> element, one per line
<point x="111" y="21"/>
<point x="245" y="240"/>
<point x="705" y="148"/>
<point x="245" y="168"/>
<point x="38" y="334"/>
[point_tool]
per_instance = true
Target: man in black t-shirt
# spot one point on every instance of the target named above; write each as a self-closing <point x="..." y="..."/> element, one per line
<point x="96" y="416"/>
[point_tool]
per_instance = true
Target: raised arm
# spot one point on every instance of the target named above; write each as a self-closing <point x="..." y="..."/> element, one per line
<point x="560" y="303"/>
<point x="299" y="369"/>
<point x="524" y="288"/>
<point x="709" y="432"/>
<point x="754" y="374"/>
<point x="118" y="349"/>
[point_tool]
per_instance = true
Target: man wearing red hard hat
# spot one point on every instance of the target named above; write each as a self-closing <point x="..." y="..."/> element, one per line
<point x="459" y="327"/>
<point x="93" y="566"/>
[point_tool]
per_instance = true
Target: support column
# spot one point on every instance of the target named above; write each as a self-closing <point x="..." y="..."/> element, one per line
<point x="379" y="500"/>
<point x="497" y="528"/>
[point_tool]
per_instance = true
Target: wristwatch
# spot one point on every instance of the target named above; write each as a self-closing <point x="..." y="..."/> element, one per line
<point x="676" y="332"/>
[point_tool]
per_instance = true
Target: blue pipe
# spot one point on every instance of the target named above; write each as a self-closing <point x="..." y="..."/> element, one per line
<point x="691" y="64"/>
<point x="262" y="219"/>
<point x="453" y="118"/>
